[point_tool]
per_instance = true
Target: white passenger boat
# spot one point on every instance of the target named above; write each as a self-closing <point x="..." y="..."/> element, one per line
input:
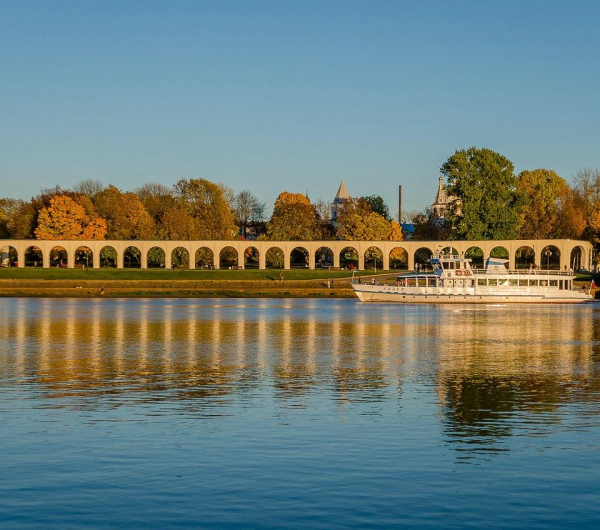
<point x="454" y="281"/>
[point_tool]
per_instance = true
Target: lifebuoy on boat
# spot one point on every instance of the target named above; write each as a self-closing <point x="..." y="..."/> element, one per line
<point x="458" y="273"/>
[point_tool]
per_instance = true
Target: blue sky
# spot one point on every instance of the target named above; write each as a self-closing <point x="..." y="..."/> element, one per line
<point x="273" y="96"/>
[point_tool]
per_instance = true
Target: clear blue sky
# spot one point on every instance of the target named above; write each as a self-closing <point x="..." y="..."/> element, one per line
<point x="273" y="96"/>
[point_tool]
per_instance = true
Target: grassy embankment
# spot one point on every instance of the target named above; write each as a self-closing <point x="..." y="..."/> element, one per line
<point x="176" y="283"/>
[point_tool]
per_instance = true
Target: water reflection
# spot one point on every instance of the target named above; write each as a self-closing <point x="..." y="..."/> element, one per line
<point x="487" y="373"/>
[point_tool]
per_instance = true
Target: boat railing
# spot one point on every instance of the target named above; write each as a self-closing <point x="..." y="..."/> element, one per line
<point x="527" y="272"/>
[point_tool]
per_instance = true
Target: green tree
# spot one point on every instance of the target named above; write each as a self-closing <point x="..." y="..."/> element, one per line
<point x="540" y="191"/>
<point x="8" y="213"/>
<point x="430" y="228"/>
<point x="378" y="205"/>
<point x="485" y="202"/>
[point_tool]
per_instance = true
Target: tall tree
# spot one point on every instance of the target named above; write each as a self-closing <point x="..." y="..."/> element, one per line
<point x="207" y="203"/>
<point x="249" y="211"/>
<point x="125" y="215"/>
<point x="485" y="202"/>
<point x="294" y="218"/>
<point x="587" y="187"/>
<point x="66" y="219"/>
<point x="378" y="205"/>
<point x="8" y="212"/>
<point x="540" y="191"/>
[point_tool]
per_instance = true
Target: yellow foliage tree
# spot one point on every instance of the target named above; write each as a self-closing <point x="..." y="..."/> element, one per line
<point x="294" y="218"/>
<point x="357" y="221"/>
<point x="64" y="218"/>
<point x="125" y="215"/>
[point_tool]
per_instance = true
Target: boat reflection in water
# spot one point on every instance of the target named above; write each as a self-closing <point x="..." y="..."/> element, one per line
<point x="480" y="369"/>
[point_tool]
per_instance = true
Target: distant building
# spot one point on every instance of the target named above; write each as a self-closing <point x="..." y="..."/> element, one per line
<point x="338" y="202"/>
<point x="442" y="201"/>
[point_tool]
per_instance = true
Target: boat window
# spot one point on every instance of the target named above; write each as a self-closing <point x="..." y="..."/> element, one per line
<point x="481" y="282"/>
<point x="534" y="283"/>
<point x="493" y="281"/>
<point x="513" y="283"/>
<point x="522" y="283"/>
<point x="553" y="283"/>
<point x="560" y="284"/>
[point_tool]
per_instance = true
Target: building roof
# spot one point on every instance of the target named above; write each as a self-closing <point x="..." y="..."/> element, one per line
<point x="342" y="193"/>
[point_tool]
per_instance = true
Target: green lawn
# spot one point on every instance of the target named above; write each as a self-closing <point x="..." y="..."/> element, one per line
<point x="161" y="274"/>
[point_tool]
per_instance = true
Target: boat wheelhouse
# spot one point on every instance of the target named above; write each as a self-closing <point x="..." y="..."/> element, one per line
<point x="453" y="280"/>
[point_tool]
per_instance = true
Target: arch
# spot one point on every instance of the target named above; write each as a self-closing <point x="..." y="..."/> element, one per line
<point x="274" y="258"/>
<point x="108" y="257"/>
<point x="156" y="257"/>
<point x="349" y="257"/>
<point x="132" y="258"/>
<point x="205" y="258"/>
<point x="422" y="256"/>
<point x="398" y="258"/>
<point x="524" y="257"/>
<point x="450" y="250"/>
<point x="373" y="258"/>
<point x="34" y="257"/>
<point x="324" y="257"/>
<point x="475" y="254"/>
<point x="500" y="253"/>
<point x="59" y="257"/>
<point x="251" y="258"/>
<point x="180" y="257"/>
<point x="299" y="258"/>
<point x="577" y="261"/>
<point x="550" y="258"/>
<point x="84" y="257"/>
<point x="228" y="258"/>
<point x="9" y="256"/>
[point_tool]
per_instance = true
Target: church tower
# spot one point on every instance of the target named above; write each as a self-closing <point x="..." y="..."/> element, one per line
<point x="338" y="202"/>
<point x="441" y="203"/>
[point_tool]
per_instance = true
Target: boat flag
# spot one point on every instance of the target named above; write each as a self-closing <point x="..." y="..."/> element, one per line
<point x="593" y="285"/>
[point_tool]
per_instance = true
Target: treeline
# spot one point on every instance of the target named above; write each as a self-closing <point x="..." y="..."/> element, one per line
<point x="194" y="209"/>
<point x="487" y="200"/>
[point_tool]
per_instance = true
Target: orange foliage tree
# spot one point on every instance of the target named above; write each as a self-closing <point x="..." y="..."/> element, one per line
<point x="65" y="218"/>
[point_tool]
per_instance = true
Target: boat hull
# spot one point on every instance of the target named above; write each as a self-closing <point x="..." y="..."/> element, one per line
<point x="369" y="293"/>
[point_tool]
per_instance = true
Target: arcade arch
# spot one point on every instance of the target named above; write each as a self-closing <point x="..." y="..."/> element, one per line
<point x="84" y="257"/>
<point x="422" y="256"/>
<point x="550" y="258"/>
<point x="108" y="257"/>
<point x="132" y="258"/>
<point x="156" y="258"/>
<point x="274" y="258"/>
<point x="577" y="262"/>
<point x="205" y="258"/>
<point x="349" y="256"/>
<point x="398" y="258"/>
<point x="251" y="258"/>
<point x="475" y="254"/>
<point x="33" y="257"/>
<point x="228" y="258"/>
<point x="324" y="257"/>
<point x="299" y="258"/>
<point x="499" y="252"/>
<point x="373" y="258"/>
<point x="180" y="257"/>
<point x="59" y="257"/>
<point x="524" y="257"/>
<point x="9" y="256"/>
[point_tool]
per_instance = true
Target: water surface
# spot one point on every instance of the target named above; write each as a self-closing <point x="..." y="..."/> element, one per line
<point x="297" y="414"/>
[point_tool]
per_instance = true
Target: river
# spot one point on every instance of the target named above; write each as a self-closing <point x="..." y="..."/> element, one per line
<point x="311" y="414"/>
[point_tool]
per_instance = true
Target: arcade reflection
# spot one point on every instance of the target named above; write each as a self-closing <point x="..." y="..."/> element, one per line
<point x="482" y="374"/>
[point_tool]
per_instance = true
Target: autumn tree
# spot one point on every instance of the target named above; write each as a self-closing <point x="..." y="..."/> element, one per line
<point x="8" y="212"/>
<point x="208" y="205"/>
<point x="294" y="218"/>
<point x="570" y="220"/>
<point x="587" y="187"/>
<point x="358" y="221"/>
<point x="428" y="227"/>
<point x="65" y="218"/>
<point x="125" y="215"/>
<point x="540" y="191"/>
<point x="485" y="201"/>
